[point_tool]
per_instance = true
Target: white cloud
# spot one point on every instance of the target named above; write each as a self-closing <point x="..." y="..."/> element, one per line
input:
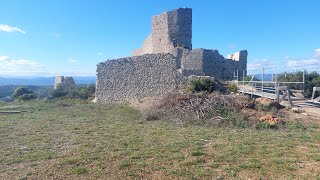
<point x="21" y="67"/>
<point x="317" y="53"/>
<point x="303" y="63"/>
<point x="286" y="63"/>
<point x="312" y="62"/>
<point x="258" y="64"/>
<point x="100" y="54"/>
<point x="72" y="61"/>
<point x="7" y="28"/>
<point x="254" y="66"/>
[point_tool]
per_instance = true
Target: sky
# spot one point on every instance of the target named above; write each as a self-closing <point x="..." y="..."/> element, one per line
<point x="59" y="37"/>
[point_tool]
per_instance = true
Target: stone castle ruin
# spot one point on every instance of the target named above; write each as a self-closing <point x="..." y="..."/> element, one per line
<point x="64" y="81"/>
<point x="164" y="62"/>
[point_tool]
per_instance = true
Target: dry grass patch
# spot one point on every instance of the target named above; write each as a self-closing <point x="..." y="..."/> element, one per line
<point x="79" y="140"/>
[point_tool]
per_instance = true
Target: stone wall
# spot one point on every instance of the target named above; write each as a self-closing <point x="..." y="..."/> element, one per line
<point x="180" y="27"/>
<point x="192" y="64"/>
<point x="238" y="61"/>
<point x="147" y="47"/>
<point x="214" y="64"/>
<point x="169" y="30"/>
<point x="132" y="78"/>
<point x="206" y="62"/>
<point x="58" y="80"/>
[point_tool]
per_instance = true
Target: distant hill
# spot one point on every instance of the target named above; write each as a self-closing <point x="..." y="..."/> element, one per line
<point x="41" y="81"/>
<point x="41" y="91"/>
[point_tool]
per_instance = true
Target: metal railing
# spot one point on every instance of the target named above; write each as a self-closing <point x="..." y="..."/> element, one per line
<point x="263" y="88"/>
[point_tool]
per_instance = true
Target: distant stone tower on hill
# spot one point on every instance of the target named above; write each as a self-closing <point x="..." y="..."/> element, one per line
<point x="61" y="80"/>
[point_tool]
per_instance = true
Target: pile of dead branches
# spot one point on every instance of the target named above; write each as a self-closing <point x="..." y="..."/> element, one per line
<point x="198" y="106"/>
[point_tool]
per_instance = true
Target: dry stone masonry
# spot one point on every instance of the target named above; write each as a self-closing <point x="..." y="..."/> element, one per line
<point x="169" y="30"/>
<point x="133" y="78"/>
<point x="65" y="81"/>
<point x="163" y="63"/>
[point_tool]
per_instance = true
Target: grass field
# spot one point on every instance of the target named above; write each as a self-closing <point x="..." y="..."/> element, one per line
<point x="78" y="140"/>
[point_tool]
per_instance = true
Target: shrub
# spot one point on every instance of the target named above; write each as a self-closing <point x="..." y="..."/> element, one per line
<point x="201" y="84"/>
<point x="24" y="94"/>
<point x="27" y="97"/>
<point x="232" y="87"/>
<point x="60" y="91"/>
<point x="74" y="92"/>
<point x="151" y="115"/>
<point x="20" y="91"/>
<point x="265" y="125"/>
<point x="233" y="119"/>
<point x="6" y="99"/>
<point x="312" y="79"/>
<point x="204" y="84"/>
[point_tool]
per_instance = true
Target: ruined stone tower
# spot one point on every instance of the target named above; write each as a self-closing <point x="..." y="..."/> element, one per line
<point x="61" y="80"/>
<point x="164" y="62"/>
<point x="169" y="30"/>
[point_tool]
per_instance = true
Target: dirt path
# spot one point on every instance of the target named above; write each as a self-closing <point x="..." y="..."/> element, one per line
<point x="313" y="112"/>
<point x="311" y="109"/>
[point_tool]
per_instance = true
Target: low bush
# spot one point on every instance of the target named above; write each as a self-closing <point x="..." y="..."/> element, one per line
<point x="233" y="118"/>
<point x="6" y="99"/>
<point x="24" y="94"/>
<point x="74" y="92"/>
<point x="205" y="84"/>
<point x="266" y="125"/>
<point x="232" y="87"/>
<point x="201" y="84"/>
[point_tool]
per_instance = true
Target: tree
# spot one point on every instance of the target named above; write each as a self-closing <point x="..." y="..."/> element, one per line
<point x="312" y="79"/>
<point x="72" y="91"/>
<point x="24" y="94"/>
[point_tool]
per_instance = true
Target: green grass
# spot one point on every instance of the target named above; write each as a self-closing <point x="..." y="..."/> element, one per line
<point x="79" y="140"/>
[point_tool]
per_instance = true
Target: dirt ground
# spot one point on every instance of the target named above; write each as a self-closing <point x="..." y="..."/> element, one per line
<point x="311" y="111"/>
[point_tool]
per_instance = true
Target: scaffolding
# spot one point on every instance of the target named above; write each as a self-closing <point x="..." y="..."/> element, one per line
<point x="273" y="89"/>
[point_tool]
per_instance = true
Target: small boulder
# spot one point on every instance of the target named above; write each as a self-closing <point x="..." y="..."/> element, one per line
<point x="297" y="110"/>
<point x="286" y="104"/>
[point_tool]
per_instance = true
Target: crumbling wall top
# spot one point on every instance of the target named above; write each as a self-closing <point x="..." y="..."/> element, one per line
<point x="169" y="30"/>
<point x="238" y="56"/>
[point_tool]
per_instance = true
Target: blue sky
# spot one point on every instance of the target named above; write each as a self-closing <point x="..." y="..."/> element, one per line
<point x="47" y="38"/>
